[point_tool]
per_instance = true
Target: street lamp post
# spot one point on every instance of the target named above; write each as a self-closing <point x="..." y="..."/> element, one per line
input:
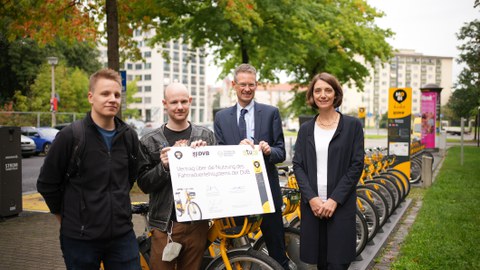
<point x="53" y="61"/>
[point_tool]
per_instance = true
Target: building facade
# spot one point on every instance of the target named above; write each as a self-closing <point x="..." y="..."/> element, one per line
<point x="174" y="62"/>
<point x="406" y="69"/>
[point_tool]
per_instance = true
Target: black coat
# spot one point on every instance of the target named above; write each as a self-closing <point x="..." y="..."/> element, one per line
<point x="345" y="164"/>
<point x="95" y="203"/>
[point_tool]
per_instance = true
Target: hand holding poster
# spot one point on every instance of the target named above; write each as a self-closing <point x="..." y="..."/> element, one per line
<point x="219" y="181"/>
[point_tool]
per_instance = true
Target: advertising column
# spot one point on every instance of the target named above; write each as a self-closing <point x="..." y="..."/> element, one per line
<point x="399" y="123"/>
<point x="429" y="114"/>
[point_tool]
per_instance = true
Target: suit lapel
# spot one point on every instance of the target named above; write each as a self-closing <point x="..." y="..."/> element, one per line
<point x="234" y="125"/>
<point x="258" y="122"/>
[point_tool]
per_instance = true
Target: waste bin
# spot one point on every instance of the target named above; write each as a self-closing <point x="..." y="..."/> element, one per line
<point x="10" y="171"/>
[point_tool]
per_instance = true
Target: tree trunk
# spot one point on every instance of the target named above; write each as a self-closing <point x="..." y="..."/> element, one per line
<point x="112" y="39"/>
<point x="244" y="52"/>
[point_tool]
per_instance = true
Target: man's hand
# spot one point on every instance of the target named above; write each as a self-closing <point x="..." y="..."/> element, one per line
<point x="164" y="157"/>
<point x="265" y="147"/>
<point x="247" y="142"/>
<point x="198" y="143"/>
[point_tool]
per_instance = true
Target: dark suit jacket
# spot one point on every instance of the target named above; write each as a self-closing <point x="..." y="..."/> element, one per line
<point x="345" y="164"/>
<point x="268" y="128"/>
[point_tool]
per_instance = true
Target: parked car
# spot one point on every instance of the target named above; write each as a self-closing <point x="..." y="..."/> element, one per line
<point x="43" y="137"/>
<point x="28" y="146"/>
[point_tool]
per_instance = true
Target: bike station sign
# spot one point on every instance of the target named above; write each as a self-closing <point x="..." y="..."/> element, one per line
<point x="399" y="126"/>
<point x="219" y="181"/>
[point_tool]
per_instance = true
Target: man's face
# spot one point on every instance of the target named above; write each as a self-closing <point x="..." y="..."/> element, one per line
<point x="105" y="97"/>
<point x="177" y="104"/>
<point x="245" y="86"/>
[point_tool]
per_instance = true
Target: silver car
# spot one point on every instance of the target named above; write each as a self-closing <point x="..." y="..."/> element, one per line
<point x="28" y="146"/>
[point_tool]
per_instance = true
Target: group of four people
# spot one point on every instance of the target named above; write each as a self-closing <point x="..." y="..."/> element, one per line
<point x="93" y="204"/>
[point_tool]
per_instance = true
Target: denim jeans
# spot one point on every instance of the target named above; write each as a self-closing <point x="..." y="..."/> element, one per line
<point x="119" y="253"/>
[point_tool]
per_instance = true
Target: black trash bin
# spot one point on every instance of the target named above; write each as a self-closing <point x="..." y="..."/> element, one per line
<point x="10" y="172"/>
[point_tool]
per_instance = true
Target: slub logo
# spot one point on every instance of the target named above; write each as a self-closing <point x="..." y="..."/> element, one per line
<point x="400" y="95"/>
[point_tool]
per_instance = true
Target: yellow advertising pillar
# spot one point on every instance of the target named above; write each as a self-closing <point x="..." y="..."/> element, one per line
<point x="399" y="125"/>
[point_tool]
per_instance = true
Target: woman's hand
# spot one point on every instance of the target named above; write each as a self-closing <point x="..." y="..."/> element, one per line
<point x="328" y="208"/>
<point x="316" y="205"/>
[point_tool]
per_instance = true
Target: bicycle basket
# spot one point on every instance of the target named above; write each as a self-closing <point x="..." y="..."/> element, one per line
<point x="234" y="227"/>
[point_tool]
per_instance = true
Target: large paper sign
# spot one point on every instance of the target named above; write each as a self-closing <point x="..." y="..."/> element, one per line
<point x="219" y="181"/>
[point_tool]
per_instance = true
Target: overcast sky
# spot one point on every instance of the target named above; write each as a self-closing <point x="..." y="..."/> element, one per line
<point x="427" y="26"/>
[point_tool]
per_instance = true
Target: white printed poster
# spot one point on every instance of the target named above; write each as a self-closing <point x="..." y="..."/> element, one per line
<point x="219" y="181"/>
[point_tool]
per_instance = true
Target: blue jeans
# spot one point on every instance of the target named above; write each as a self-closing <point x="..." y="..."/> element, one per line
<point x="119" y="253"/>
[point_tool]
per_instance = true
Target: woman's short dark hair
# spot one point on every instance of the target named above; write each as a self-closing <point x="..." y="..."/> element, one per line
<point x="330" y="79"/>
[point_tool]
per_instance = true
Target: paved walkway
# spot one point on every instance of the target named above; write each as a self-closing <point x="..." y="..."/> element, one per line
<point x="31" y="240"/>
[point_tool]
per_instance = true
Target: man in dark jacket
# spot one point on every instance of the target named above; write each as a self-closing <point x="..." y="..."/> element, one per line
<point x="154" y="179"/>
<point x="93" y="205"/>
<point x="252" y="123"/>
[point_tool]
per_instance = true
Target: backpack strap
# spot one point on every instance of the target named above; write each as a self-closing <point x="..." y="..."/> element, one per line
<point x="78" y="130"/>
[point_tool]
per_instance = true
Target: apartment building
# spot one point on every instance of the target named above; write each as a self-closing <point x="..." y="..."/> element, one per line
<point x="406" y="69"/>
<point x="184" y="64"/>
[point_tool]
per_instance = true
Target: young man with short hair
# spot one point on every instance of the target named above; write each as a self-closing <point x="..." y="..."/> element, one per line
<point x="93" y="205"/>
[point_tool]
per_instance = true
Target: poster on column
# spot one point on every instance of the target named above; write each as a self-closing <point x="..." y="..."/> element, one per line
<point x="219" y="181"/>
<point x="428" y="111"/>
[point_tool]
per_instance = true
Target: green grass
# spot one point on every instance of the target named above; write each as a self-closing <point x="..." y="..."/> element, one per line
<point x="446" y="232"/>
<point x="458" y="140"/>
<point x="373" y="136"/>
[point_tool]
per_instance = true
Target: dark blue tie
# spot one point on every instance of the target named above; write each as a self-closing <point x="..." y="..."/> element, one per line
<point x="242" y="125"/>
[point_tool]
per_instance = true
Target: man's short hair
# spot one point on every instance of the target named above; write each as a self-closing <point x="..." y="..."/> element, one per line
<point x="244" y="68"/>
<point x="330" y="79"/>
<point x="105" y="73"/>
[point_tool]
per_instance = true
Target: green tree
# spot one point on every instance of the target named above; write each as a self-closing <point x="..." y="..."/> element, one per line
<point x="465" y="100"/>
<point x="283" y="109"/>
<point x="131" y="91"/>
<point x="300" y="37"/>
<point x="71" y="84"/>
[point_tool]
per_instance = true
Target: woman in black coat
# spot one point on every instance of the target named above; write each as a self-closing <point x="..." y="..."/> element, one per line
<point x="328" y="162"/>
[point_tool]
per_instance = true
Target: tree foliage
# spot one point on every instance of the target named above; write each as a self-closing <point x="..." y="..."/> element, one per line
<point x="22" y="59"/>
<point x="45" y="21"/>
<point x="465" y="100"/>
<point x="71" y="84"/>
<point x="131" y="91"/>
<point x="300" y="37"/>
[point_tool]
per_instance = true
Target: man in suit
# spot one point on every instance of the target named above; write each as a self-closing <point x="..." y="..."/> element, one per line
<point x="249" y="123"/>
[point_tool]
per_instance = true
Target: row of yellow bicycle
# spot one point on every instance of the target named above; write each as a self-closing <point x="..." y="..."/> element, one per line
<point x="238" y="243"/>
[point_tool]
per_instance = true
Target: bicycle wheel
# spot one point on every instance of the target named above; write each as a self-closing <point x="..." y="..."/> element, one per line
<point x="144" y="245"/>
<point x="246" y="259"/>
<point x="295" y="223"/>
<point x="397" y="182"/>
<point x="367" y="208"/>
<point x="415" y="171"/>
<point x="362" y="233"/>
<point x="292" y="246"/>
<point x="377" y="199"/>
<point x="194" y="211"/>
<point x="397" y="195"/>
<point x="386" y="193"/>
<point x="403" y="178"/>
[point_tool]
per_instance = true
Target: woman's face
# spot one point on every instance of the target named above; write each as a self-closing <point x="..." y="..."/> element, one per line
<point x="323" y="95"/>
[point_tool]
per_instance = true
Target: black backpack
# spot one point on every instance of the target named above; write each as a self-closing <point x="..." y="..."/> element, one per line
<point x="78" y="128"/>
